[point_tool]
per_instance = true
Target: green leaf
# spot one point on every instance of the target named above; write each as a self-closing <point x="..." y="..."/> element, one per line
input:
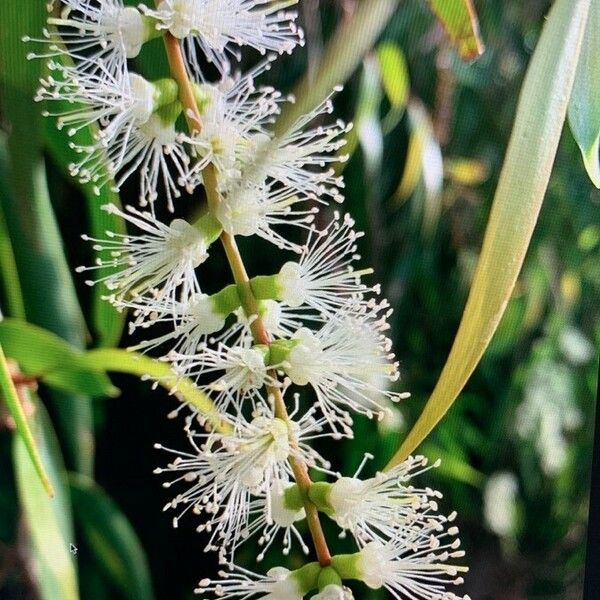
<point x="343" y="54"/>
<point x="49" y="521"/>
<point x="523" y="182"/>
<point x="584" y="108"/>
<point x="459" y="19"/>
<point x="394" y="74"/>
<point x="112" y="538"/>
<point x="8" y="265"/>
<point x="54" y="361"/>
<point x="48" y="292"/>
<point x="132" y="363"/>
<point x="13" y="402"/>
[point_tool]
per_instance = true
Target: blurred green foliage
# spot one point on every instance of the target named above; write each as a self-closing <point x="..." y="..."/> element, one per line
<point x="431" y="133"/>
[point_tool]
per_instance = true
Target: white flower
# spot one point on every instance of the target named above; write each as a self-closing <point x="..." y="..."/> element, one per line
<point x="388" y="505"/>
<point x="237" y="373"/>
<point x="343" y="362"/>
<point x="250" y="211"/>
<point x="278" y="584"/>
<point x="227" y="471"/>
<point x="98" y="37"/>
<point x="270" y="525"/>
<point x="234" y="113"/>
<point x="214" y="26"/>
<point x="334" y="592"/>
<point x="299" y="159"/>
<point x="160" y="261"/>
<point x="136" y="121"/>
<point x="413" y="568"/>
<point x="323" y="278"/>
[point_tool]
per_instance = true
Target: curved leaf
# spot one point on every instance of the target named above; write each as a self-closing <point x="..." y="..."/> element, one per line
<point x="112" y="538"/>
<point x="12" y="400"/>
<point x="132" y="363"/>
<point x="55" y="362"/>
<point x="49" y="521"/>
<point x="584" y="108"/>
<point x="523" y="182"/>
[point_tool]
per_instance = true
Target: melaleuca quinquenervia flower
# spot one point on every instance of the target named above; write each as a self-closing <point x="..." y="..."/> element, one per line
<point x="213" y="29"/>
<point x="287" y="357"/>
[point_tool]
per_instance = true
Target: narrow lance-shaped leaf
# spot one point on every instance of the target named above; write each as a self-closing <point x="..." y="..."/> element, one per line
<point x="523" y="182"/>
<point x="111" y="538"/>
<point x="54" y="362"/>
<point x="8" y="266"/>
<point x="132" y="363"/>
<point x="13" y="402"/>
<point x="49" y="521"/>
<point x="459" y="19"/>
<point x="584" y="108"/>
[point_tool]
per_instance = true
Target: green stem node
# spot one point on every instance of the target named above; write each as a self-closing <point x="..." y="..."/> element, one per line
<point x="293" y="498"/>
<point x="227" y="300"/>
<point x="329" y="576"/>
<point x="266" y="287"/>
<point x="307" y="577"/>
<point x="319" y="495"/>
<point x="347" y="566"/>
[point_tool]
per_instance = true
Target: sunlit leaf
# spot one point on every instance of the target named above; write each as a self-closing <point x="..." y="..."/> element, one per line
<point x="584" y="108"/>
<point x="48" y="520"/>
<point x="367" y="124"/>
<point x="424" y="163"/>
<point x="132" y="363"/>
<point x="111" y="538"/>
<point x="466" y="171"/>
<point x="523" y="182"/>
<point x="55" y="362"/>
<point x="460" y="22"/>
<point x="394" y="74"/>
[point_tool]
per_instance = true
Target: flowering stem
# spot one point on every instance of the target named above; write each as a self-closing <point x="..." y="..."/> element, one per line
<point x="247" y="297"/>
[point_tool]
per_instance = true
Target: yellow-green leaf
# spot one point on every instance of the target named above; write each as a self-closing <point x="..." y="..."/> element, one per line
<point x="124" y="361"/>
<point x="521" y="188"/>
<point x="394" y="74"/>
<point x="584" y="108"/>
<point x="459" y="19"/>
<point x="111" y="538"/>
<point x="13" y="402"/>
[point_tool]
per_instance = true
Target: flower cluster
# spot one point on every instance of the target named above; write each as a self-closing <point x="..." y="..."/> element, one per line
<point x="261" y="346"/>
